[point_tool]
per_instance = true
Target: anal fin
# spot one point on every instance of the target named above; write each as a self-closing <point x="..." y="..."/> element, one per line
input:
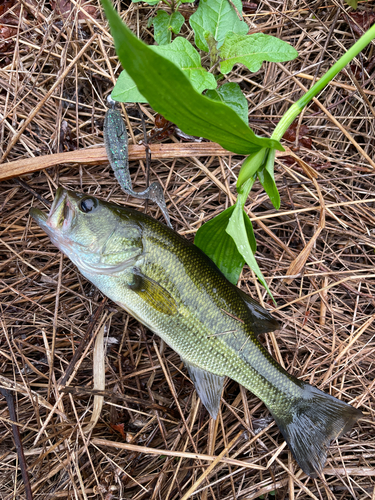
<point x="208" y="386"/>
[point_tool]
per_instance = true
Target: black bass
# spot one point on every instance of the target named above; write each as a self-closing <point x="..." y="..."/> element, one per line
<point x="175" y="290"/>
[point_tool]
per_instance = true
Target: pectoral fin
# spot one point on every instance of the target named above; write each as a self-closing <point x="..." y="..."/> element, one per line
<point x="261" y="320"/>
<point x="208" y="386"/>
<point x="154" y="294"/>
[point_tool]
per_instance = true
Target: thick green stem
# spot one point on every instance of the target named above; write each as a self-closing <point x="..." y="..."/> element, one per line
<point x="244" y="191"/>
<point x="298" y="106"/>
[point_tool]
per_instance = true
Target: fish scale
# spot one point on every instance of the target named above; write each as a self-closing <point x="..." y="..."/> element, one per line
<point x="244" y="343"/>
<point x="175" y="290"/>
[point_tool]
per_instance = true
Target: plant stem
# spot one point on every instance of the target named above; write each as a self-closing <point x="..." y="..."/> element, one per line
<point x="245" y="190"/>
<point x="298" y="106"/>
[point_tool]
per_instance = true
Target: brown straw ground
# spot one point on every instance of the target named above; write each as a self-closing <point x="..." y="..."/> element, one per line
<point x="125" y="422"/>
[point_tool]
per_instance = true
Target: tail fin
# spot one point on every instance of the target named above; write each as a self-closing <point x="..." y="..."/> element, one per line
<point x="309" y="425"/>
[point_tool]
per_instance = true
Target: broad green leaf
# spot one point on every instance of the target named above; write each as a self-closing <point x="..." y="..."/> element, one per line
<point x="126" y="90"/>
<point x="250" y="232"/>
<point x="237" y="230"/>
<point x="270" y="187"/>
<point x="218" y="18"/>
<point x="162" y="34"/>
<point x="183" y="54"/>
<point x="230" y="93"/>
<point x="171" y="94"/>
<point x="215" y="242"/>
<point x="252" y="50"/>
<point x="267" y="179"/>
<point x="164" y="24"/>
<point x="352" y="3"/>
<point x="250" y="166"/>
<point x="177" y="20"/>
<point x="238" y="227"/>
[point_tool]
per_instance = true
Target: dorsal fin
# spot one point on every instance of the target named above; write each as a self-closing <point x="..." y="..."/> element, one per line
<point x="261" y="320"/>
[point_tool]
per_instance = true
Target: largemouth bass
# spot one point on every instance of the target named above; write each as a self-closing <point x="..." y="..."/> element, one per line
<point x="174" y="289"/>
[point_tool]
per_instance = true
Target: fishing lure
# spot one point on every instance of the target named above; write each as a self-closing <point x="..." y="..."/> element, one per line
<point x="116" y="145"/>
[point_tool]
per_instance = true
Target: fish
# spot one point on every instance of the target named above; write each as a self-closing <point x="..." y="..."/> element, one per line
<point x="175" y="290"/>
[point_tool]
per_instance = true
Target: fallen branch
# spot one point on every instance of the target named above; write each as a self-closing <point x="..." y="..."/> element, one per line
<point x="95" y="156"/>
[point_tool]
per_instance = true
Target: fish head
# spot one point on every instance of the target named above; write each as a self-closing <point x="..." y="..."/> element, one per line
<point x="99" y="237"/>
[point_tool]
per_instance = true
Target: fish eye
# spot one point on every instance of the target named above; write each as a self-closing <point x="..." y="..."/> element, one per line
<point x="88" y="204"/>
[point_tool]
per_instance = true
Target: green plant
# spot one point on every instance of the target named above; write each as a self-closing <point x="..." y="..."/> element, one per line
<point x="170" y="92"/>
<point x="218" y="31"/>
<point x="164" y="23"/>
<point x="352" y="3"/>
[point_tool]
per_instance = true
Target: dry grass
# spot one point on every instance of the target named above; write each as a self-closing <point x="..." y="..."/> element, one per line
<point x="153" y="439"/>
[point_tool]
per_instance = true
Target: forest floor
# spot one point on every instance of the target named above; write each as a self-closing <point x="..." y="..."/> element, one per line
<point x="150" y="437"/>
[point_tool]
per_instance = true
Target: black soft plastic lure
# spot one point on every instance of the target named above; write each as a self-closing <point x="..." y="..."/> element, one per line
<point x="116" y="144"/>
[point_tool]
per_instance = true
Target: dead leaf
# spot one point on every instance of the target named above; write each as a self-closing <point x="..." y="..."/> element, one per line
<point x="358" y="70"/>
<point x="160" y="121"/>
<point x="291" y="133"/>
<point x="9" y="12"/>
<point x="289" y="160"/>
<point x="120" y="429"/>
<point x="128" y="437"/>
<point x="65" y="7"/>
<point x="249" y="7"/>
<point x="362" y="21"/>
<point x="6" y="37"/>
<point x="163" y="129"/>
<point x="186" y="11"/>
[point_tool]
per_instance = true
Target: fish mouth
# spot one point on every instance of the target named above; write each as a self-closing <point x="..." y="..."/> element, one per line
<point x="59" y="212"/>
<point x="60" y="215"/>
